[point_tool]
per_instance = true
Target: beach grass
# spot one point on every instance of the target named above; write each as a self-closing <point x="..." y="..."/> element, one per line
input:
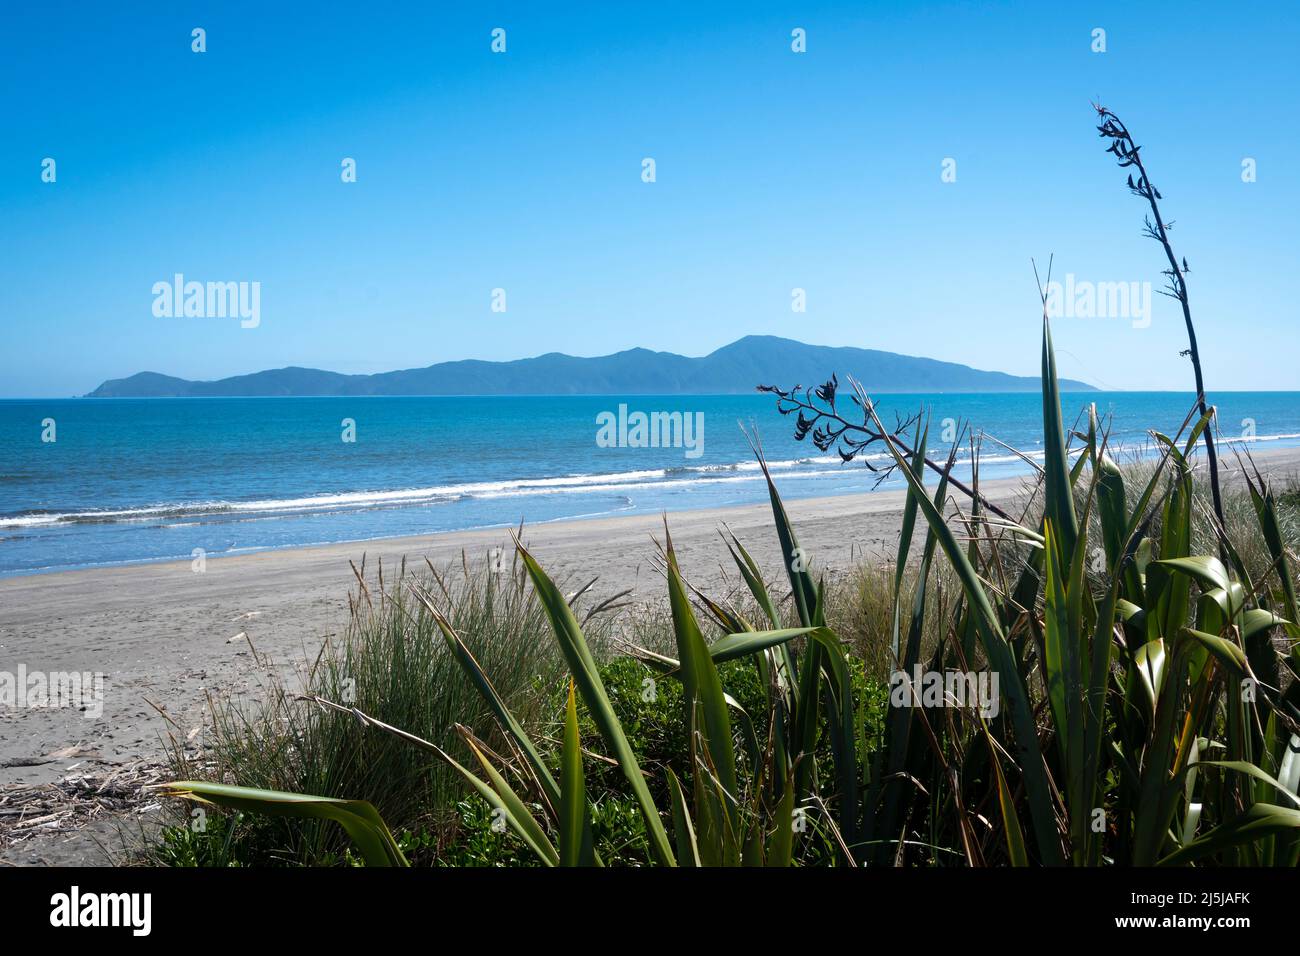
<point x="391" y="663"/>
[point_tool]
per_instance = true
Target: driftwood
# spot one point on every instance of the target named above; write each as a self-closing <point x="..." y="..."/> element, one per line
<point x="81" y="797"/>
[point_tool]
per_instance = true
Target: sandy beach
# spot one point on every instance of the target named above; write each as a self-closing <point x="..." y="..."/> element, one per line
<point x="165" y="635"/>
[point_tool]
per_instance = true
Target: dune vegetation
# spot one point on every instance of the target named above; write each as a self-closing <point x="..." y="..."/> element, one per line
<point x="1146" y="710"/>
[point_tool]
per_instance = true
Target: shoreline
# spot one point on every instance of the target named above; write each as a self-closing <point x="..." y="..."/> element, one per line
<point x="166" y="637"/>
<point x="1269" y="455"/>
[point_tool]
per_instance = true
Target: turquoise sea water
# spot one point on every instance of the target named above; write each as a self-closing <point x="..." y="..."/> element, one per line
<point x="149" y="479"/>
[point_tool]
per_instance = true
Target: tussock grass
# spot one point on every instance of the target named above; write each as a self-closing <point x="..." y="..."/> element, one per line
<point x="392" y="664"/>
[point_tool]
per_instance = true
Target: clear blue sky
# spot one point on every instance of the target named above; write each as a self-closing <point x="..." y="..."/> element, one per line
<point x="523" y="171"/>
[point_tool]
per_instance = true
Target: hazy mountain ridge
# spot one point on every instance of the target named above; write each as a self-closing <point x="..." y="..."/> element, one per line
<point x="734" y="368"/>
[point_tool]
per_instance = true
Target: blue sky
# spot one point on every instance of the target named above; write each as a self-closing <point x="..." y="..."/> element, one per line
<point x="522" y="171"/>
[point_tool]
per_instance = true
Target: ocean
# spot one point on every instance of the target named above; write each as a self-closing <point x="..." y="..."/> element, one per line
<point x="92" y="482"/>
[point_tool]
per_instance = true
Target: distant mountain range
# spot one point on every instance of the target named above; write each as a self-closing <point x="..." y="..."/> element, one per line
<point x="734" y="368"/>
